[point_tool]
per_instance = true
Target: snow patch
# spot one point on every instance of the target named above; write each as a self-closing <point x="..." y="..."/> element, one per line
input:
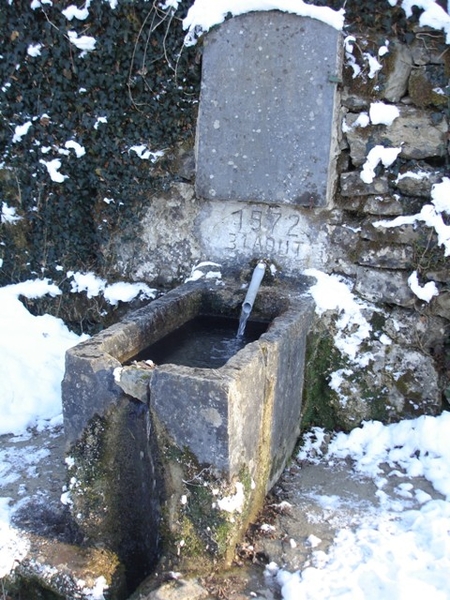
<point x="204" y="14"/>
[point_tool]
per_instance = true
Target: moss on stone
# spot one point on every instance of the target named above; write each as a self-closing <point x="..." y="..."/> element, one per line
<point x="322" y="358"/>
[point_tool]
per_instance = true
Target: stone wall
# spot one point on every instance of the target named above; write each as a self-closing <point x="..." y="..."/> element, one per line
<point x="405" y="364"/>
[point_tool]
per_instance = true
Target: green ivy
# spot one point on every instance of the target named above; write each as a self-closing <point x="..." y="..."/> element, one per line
<point x="130" y="80"/>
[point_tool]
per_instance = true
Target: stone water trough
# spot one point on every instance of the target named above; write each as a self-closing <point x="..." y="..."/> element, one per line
<point x="172" y="460"/>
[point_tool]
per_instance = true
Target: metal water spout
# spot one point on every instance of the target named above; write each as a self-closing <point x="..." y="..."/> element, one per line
<point x="249" y="300"/>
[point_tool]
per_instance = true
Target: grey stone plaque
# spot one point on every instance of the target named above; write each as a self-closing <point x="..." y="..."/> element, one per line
<point x="267" y="124"/>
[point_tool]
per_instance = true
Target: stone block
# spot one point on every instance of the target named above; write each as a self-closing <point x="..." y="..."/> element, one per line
<point x="397" y="69"/>
<point x="386" y="256"/>
<point x="267" y="125"/>
<point x="412" y="125"/>
<point x="222" y="415"/>
<point x="418" y="181"/>
<point x="403" y="234"/>
<point x="353" y="185"/>
<point x="390" y="287"/>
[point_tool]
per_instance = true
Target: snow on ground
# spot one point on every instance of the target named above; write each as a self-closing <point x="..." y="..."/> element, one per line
<point x="398" y="552"/>
<point x="394" y="555"/>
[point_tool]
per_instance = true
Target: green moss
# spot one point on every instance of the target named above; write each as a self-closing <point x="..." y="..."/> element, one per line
<point x="322" y="358"/>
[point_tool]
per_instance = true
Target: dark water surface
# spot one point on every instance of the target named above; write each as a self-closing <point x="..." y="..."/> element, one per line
<point x="205" y="342"/>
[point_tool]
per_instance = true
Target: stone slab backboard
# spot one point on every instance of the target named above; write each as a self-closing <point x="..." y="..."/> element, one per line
<point x="267" y="124"/>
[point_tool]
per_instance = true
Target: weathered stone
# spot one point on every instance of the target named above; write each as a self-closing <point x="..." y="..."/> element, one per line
<point x="233" y="233"/>
<point x="426" y="86"/>
<point x="387" y="256"/>
<point x="403" y="234"/>
<point x="397" y="383"/>
<point x="354" y="102"/>
<point x="418" y="181"/>
<point x="135" y="380"/>
<point x="353" y="185"/>
<point x="383" y="206"/>
<point x="155" y="250"/>
<point x="214" y="413"/>
<point x="390" y="287"/>
<point x="407" y="328"/>
<point x="397" y="70"/>
<point x="412" y="377"/>
<point x="412" y="125"/>
<point x="179" y="589"/>
<point x="438" y="274"/>
<point x="239" y="423"/>
<point x="441" y="305"/>
<point x="259" y="108"/>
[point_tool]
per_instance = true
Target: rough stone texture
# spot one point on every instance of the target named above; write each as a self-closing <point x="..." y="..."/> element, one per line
<point x="428" y="47"/>
<point x="390" y="287"/>
<point x="155" y="250"/>
<point x="353" y="185"/>
<point x="413" y="124"/>
<point x="267" y="123"/>
<point x="442" y="305"/>
<point x="220" y="415"/>
<point x="234" y="233"/>
<point x="239" y="422"/>
<point x="418" y="181"/>
<point x="179" y="589"/>
<point x="89" y="387"/>
<point x="398" y="68"/>
<point x="404" y="234"/>
<point x="383" y="206"/>
<point x="405" y="328"/>
<point x="386" y="257"/>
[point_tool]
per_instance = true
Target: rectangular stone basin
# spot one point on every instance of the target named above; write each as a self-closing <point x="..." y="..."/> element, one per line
<point x="240" y="415"/>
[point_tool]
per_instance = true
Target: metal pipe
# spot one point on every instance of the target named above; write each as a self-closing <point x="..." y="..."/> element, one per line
<point x="253" y="288"/>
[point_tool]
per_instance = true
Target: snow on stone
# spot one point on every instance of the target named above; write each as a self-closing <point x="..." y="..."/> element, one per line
<point x="34" y="50"/>
<point x="378" y="154"/>
<point x="84" y="42"/>
<point x="113" y="293"/>
<point x="73" y="11"/>
<point x="419" y="175"/>
<point x="8" y="214"/>
<point x="440" y="194"/>
<point x="430" y="214"/>
<point x="234" y="503"/>
<point x="125" y="292"/>
<point x="397" y="552"/>
<point x="78" y="148"/>
<point x="383" y="50"/>
<point x="202" y="270"/>
<point x="96" y="591"/>
<point x="417" y="446"/>
<point x="204" y="14"/>
<point x="87" y="282"/>
<point x="383" y="114"/>
<point x="425" y="292"/>
<point x="53" y="167"/>
<point x="20" y="131"/>
<point x="331" y="292"/>
<point x="363" y="120"/>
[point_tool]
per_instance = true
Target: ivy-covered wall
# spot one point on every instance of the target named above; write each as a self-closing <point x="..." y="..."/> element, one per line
<point x="84" y="92"/>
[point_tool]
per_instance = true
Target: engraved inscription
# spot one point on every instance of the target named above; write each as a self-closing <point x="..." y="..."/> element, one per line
<point x="265" y="230"/>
